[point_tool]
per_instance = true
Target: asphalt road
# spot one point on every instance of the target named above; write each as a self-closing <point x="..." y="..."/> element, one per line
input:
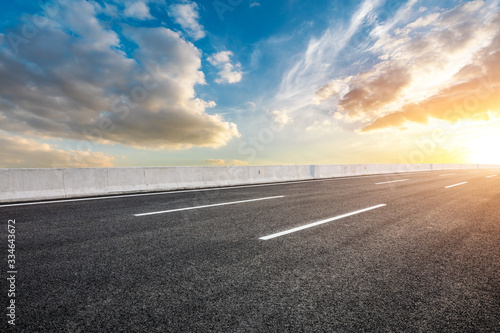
<point x="390" y="253"/>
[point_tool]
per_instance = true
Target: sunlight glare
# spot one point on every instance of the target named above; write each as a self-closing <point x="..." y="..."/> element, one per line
<point x="485" y="150"/>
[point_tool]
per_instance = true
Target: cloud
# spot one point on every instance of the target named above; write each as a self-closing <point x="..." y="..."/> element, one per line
<point x="219" y="162"/>
<point x="187" y="16"/>
<point x="313" y="67"/>
<point x="374" y="89"/>
<point x="334" y="88"/>
<point x="72" y="81"/>
<point x="107" y="9"/>
<point x="138" y="10"/>
<point x="477" y="98"/>
<point x="281" y="117"/>
<point x="228" y="73"/>
<point x="254" y="4"/>
<point x="20" y="152"/>
<point x="251" y="105"/>
<point x="429" y="67"/>
<point x="324" y="125"/>
<point x="473" y="91"/>
<point x="220" y="58"/>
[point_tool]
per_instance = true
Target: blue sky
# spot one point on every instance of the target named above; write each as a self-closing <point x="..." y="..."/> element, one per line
<point x="236" y="82"/>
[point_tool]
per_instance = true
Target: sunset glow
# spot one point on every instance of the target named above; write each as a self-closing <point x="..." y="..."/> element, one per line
<point x="159" y="83"/>
<point x="485" y="149"/>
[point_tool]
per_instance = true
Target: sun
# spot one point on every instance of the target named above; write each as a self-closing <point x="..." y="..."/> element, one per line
<point x="485" y="149"/>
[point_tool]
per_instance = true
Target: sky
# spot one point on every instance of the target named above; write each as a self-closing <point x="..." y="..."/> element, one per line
<point x="238" y="82"/>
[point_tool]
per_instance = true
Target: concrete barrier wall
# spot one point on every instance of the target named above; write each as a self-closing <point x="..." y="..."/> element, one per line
<point x="42" y="184"/>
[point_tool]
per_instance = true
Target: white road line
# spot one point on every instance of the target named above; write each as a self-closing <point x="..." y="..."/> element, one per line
<point x="392" y="181"/>
<point x="448" y="174"/>
<point x="319" y="222"/>
<point x="491" y="176"/>
<point x="206" y="206"/>
<point x="456" y="185"/>
<point x="194" y="190"/>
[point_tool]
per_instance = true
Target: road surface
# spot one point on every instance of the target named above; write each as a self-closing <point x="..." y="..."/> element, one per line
<point x="416" y="252"/>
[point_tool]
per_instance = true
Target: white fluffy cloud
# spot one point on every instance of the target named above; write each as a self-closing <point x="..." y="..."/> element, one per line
<point x="228" y="73"/>
<point x="72" y="81"/>
<point x="138" y="10"/>
<point x="187" y="16"/>
<point x="281" y="117"/>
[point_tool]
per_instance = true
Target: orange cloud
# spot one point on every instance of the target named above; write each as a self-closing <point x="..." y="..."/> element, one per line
<point x="476" y="96"/>
<point x="20" y="152"/>
<point x="442" y="65"/>
<point x="375" y="89"/>
<point x="219" y="162"/>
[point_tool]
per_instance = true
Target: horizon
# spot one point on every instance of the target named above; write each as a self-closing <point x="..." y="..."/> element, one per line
<point x="188" y="83"/>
